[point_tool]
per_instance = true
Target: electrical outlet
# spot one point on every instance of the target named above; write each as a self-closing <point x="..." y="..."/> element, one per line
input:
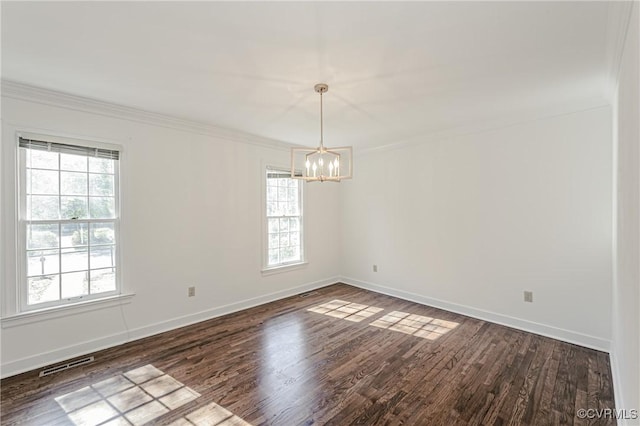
<point x="528" y="296"/>
<point x="375" y="268"/>
<point x="192" y="291"/>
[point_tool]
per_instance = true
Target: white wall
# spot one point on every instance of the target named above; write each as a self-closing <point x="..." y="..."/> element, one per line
<point x="191" y="215"/>
<point x="470" y="222"/>
<point x="626" y="289"/>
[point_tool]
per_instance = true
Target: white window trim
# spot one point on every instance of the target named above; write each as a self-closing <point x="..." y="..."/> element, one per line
<point x="59" y="311"/>
<point x="26" y="314"/>
<point x="286" y="267"/>
<point x="272" y="270"/>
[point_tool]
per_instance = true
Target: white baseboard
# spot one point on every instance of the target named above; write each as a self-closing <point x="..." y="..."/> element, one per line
<point x="617" y="386"/>
<point x="37" y="361"/>
<point x="520" y="324"/>
<point x="62" y="354"/>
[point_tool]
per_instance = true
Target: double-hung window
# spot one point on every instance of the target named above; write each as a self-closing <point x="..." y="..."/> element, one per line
<point x="68" y="222"/>
<point x="284" y="219"/>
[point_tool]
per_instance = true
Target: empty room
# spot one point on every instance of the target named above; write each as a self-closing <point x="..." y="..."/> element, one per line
<point x="320" y="213"/>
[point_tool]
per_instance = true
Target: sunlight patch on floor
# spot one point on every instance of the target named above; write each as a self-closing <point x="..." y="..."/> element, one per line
<point x="416" y="325"/>
<point x="354" y="312"/>
<point x="210" y="415"/>
<point x="133" y="398"/>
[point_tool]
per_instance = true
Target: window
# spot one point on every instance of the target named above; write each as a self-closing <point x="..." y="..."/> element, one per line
<point x="68" y="223"/>
<point x="284" y="219"/>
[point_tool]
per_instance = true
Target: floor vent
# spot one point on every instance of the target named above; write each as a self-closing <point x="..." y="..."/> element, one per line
<point x="68" y="365"/>
<point x="308" y="294"/>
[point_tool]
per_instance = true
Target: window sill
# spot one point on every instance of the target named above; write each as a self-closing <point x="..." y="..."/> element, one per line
<point x="29" y="317"/>
<point x="283" y="268"/>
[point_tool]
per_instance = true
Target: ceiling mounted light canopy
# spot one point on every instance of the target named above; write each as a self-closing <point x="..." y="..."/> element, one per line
<point x="321" y="164"/>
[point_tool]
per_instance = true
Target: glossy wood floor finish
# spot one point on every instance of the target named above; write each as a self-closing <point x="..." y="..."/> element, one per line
<point x="281" y="364"/>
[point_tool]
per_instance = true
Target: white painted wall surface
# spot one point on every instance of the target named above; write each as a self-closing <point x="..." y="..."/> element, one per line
<point x="626" y="290"/>
<point x="470" y="222"/>
<point x="191" y="215"/>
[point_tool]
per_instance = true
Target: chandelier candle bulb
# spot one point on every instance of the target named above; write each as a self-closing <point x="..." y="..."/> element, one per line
<point x="313" y="160"/>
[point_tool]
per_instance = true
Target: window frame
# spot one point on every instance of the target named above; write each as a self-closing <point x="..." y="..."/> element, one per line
<point x="22" y="291"/>
<point x="281" y="267"/>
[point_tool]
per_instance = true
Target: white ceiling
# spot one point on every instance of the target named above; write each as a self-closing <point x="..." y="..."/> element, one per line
<point x="395" y="70"/>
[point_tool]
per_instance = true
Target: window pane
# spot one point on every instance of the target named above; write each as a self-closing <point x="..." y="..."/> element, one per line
<point x="102" y="207"/>
<point x="74" y="234"/>
<point x="73" y="183"/>
<point x="272" y="209"/>
<point x="74" y="284"/>
<point x="274" y="240"/>
<point x="42" y="159"/>
<point x="273" y="225"/>
<point x="102" y="233"/>
<point x="292" y="209"/>
<point x="75" y="259"/>
<point x="286" y="254"/>
<point x="102" y="257"/>
<point x="274" y="257"/>
<point x="284" y="239"/>
<point x="42" y="182"/>
<point x="103" y="280"/>
<point x="42" y="236"/>
<point x="41" y="262"/>
<point x="294" y="224"/>
<point x="282" y="182"/>
<point x="282" y="193"/>
<point x="100" y="165"/>
<point x="294" y="238"/>
<point x="101" y="185"/>
<point x="42" y="207"/>
<point x="43" y="289"/>
<point x="284" y="225"/>
<point x="76" y="163"/>
<point x="291" y="254"/>
<point x="73" y="207"/>
<point x="272" y="194"/>
<point x="292" y="195"/>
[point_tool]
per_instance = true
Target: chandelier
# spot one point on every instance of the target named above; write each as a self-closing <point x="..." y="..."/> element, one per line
<point x="321" y="164"/>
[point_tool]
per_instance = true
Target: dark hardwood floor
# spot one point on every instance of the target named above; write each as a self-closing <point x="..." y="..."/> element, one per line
<point x="356" y="357"/>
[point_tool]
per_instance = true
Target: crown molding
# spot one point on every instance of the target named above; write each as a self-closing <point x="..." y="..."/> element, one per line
<point x="483" y="126"/>
<point x="618" y="19"/>
<point x="25" y="92"/>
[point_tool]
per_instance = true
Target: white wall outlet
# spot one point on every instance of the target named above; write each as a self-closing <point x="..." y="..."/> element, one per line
<point x="375" y="268"/>
<point x="528" y="296"/>
<point x="192" y="291"/>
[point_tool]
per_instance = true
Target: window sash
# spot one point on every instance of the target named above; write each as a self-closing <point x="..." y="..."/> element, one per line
<point x="282" y="174"/>
<point x="24" y="222"/>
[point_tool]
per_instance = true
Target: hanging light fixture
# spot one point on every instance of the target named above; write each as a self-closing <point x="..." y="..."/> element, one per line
<point x="321" y="164"/>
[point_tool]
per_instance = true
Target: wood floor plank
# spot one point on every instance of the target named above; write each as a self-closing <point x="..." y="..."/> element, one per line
<point x="401" y="363"/>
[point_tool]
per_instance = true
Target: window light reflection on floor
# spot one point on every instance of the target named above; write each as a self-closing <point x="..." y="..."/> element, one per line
<point x="416" y="325"/>
<point x="354" y="312"/>
<point x="210" y="415"/>
<point x="133" y="398"/>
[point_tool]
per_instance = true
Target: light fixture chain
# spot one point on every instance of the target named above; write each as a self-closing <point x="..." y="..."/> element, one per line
<point x="321" y="125"/>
